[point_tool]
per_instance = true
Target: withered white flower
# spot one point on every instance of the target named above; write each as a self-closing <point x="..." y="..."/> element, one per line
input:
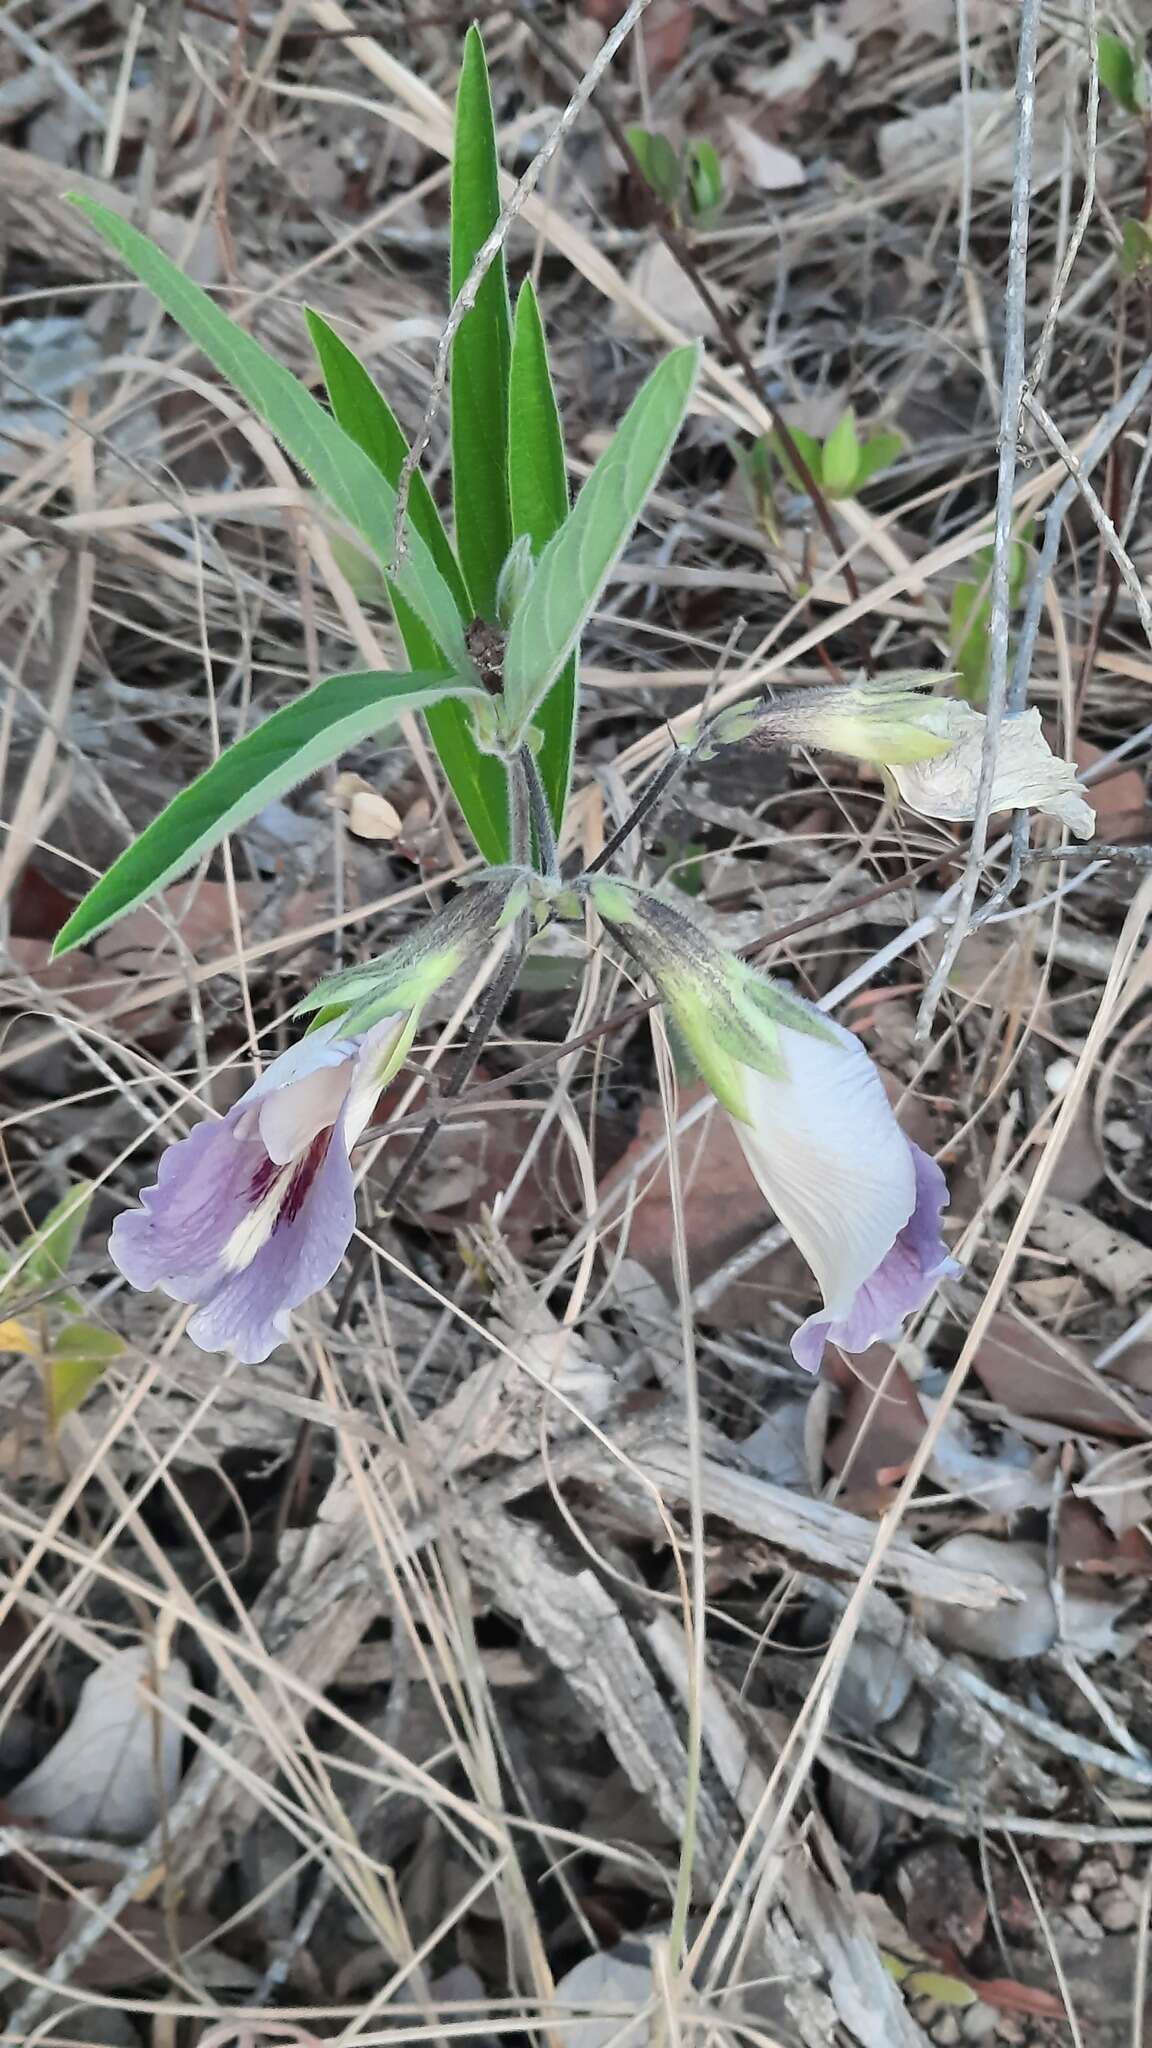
<point x="931" y="746"/>
<point x="1028" y="775"/>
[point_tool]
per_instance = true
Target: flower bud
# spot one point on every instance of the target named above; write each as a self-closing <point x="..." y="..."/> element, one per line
<point x="889" y="719"/>
<point x="512" y="584"/>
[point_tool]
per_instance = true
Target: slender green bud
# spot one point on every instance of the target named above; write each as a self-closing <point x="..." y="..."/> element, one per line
<point x="893" y="720"/>
<point x="512" y="585"/>
<point x="410" y="972"/>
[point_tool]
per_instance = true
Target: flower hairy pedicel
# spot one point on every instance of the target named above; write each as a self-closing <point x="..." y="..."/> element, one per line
<point x="861" y="1202"/>
<point x="932" y="746"/>
<point x="253" y="1213"/>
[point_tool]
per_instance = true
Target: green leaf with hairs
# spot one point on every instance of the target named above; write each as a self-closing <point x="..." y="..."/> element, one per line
<point x="482" y="346"/>
<point x="341" y="471"/>
<point x="479" y="781"/>
<point x="293" y="743"/>
<point x="538" y="484"/>
<point x="579" y="559"/>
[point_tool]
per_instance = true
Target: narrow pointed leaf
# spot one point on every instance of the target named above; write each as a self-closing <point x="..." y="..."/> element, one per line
<point x="578" y="560"/>
<point x="293" y="743"/>
<point x="482" y="348"/>
<point x="479" y="781"/>
<point x="75" y="1363"/>
<point x="340" y="469"/>
<point x="45" y="1260"/>
<point x="538" y="486"/>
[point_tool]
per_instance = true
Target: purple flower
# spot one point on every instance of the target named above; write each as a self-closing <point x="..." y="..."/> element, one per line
<point x="860" y="1200"/>
<point x="252" y="1214"/>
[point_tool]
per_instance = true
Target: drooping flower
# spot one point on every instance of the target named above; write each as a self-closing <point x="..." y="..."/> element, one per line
<point x="932" y="747"/>
<point x="252" y="1214"/>
<point x="860" y="1200"/>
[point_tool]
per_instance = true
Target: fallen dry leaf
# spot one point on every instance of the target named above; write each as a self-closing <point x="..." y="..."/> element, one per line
<point x="657" y="278"/>
<point x="1119" y="1486"/>
<point x="932" y="139"/>
<point x="116" y="1767"/>
<point x="1034" y="1374"/>
<point x="826" y="49"/>
<point x="1006" y="1633"/>
<point x="764" y="163"/>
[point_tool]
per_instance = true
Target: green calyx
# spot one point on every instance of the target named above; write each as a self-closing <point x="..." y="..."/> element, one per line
<point x="728" y="1015"/>
<point x="409" y="973"/>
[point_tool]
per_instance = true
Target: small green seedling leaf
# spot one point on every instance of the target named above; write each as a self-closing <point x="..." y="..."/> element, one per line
<point x="478" y="780"/>
<point x="968" y="640"/>
<point x="706" y="193"/>
<point x="578" y="560"/>
<point x="538" y="484"/>
<point x="47" y="1255"/>
<point x="482" y="348"/>
<point x="809" y="450"/>
<point x="840" y="466"/>
<point x="339" y="468"/>
<point x="1135" y="247"/>
<point x="72" y="1367"/>
<point x="292" y="744"/>
<point x="876" y="455"/>
<point x="1117" y="68"/>
<point x="661" y="166"/>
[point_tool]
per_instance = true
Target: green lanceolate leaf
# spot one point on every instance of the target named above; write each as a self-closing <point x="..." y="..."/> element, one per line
<point x="482" y="348"/>
<point x="48" y="1255"/>
<point x="294" y="743"/>
<point x="1117" y="71"/>
<point x="479" y="781"/>
<point x="841" y="460"/>
<point x="340" y="469"/>
<point x="578" y="560"/>
<point x="74" y="1364"/>
<point x="538" y="486"/>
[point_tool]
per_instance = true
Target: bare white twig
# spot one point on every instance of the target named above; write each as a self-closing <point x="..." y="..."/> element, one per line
<point x="1103" y="523"/>
<point x="1011" y="394"/>
<point x="1039" y="369"/>
<point x="489" y="250"/>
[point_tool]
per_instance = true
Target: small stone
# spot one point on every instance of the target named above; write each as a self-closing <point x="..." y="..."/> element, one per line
<point x="1010" y="2029"/>
<point x="1062" y="1853"/>
<point x="1080" y="1891"/>
<point x="979" y="2023"/>
<point x="1115" y="1911"/>
<point x="1123" y="1136"/>
<point x="1080" y="1920"/>
<point x="1058" y="1074"/>
<point x="946" y="2032"/>
<point x="1099" y="1875"/>
<point x="1123" y="1855"/>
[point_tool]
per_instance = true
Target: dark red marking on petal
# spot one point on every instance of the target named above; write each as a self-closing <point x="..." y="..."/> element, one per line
<point x="264" y="1177"/>
<point x="303" y="1176"/>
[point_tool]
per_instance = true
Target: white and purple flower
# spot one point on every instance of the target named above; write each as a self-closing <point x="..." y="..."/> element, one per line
<point x="252" y="1214"/>
<point x="859" y="1200"/>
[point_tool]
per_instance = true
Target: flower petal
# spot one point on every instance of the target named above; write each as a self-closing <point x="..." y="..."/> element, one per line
<point x="1029" y="776"/>
<point x="901" y="1283"/>
<point x="248" y="1314"/>
<point x="176" y="1239"/>
<point x="831" y="1158"/>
